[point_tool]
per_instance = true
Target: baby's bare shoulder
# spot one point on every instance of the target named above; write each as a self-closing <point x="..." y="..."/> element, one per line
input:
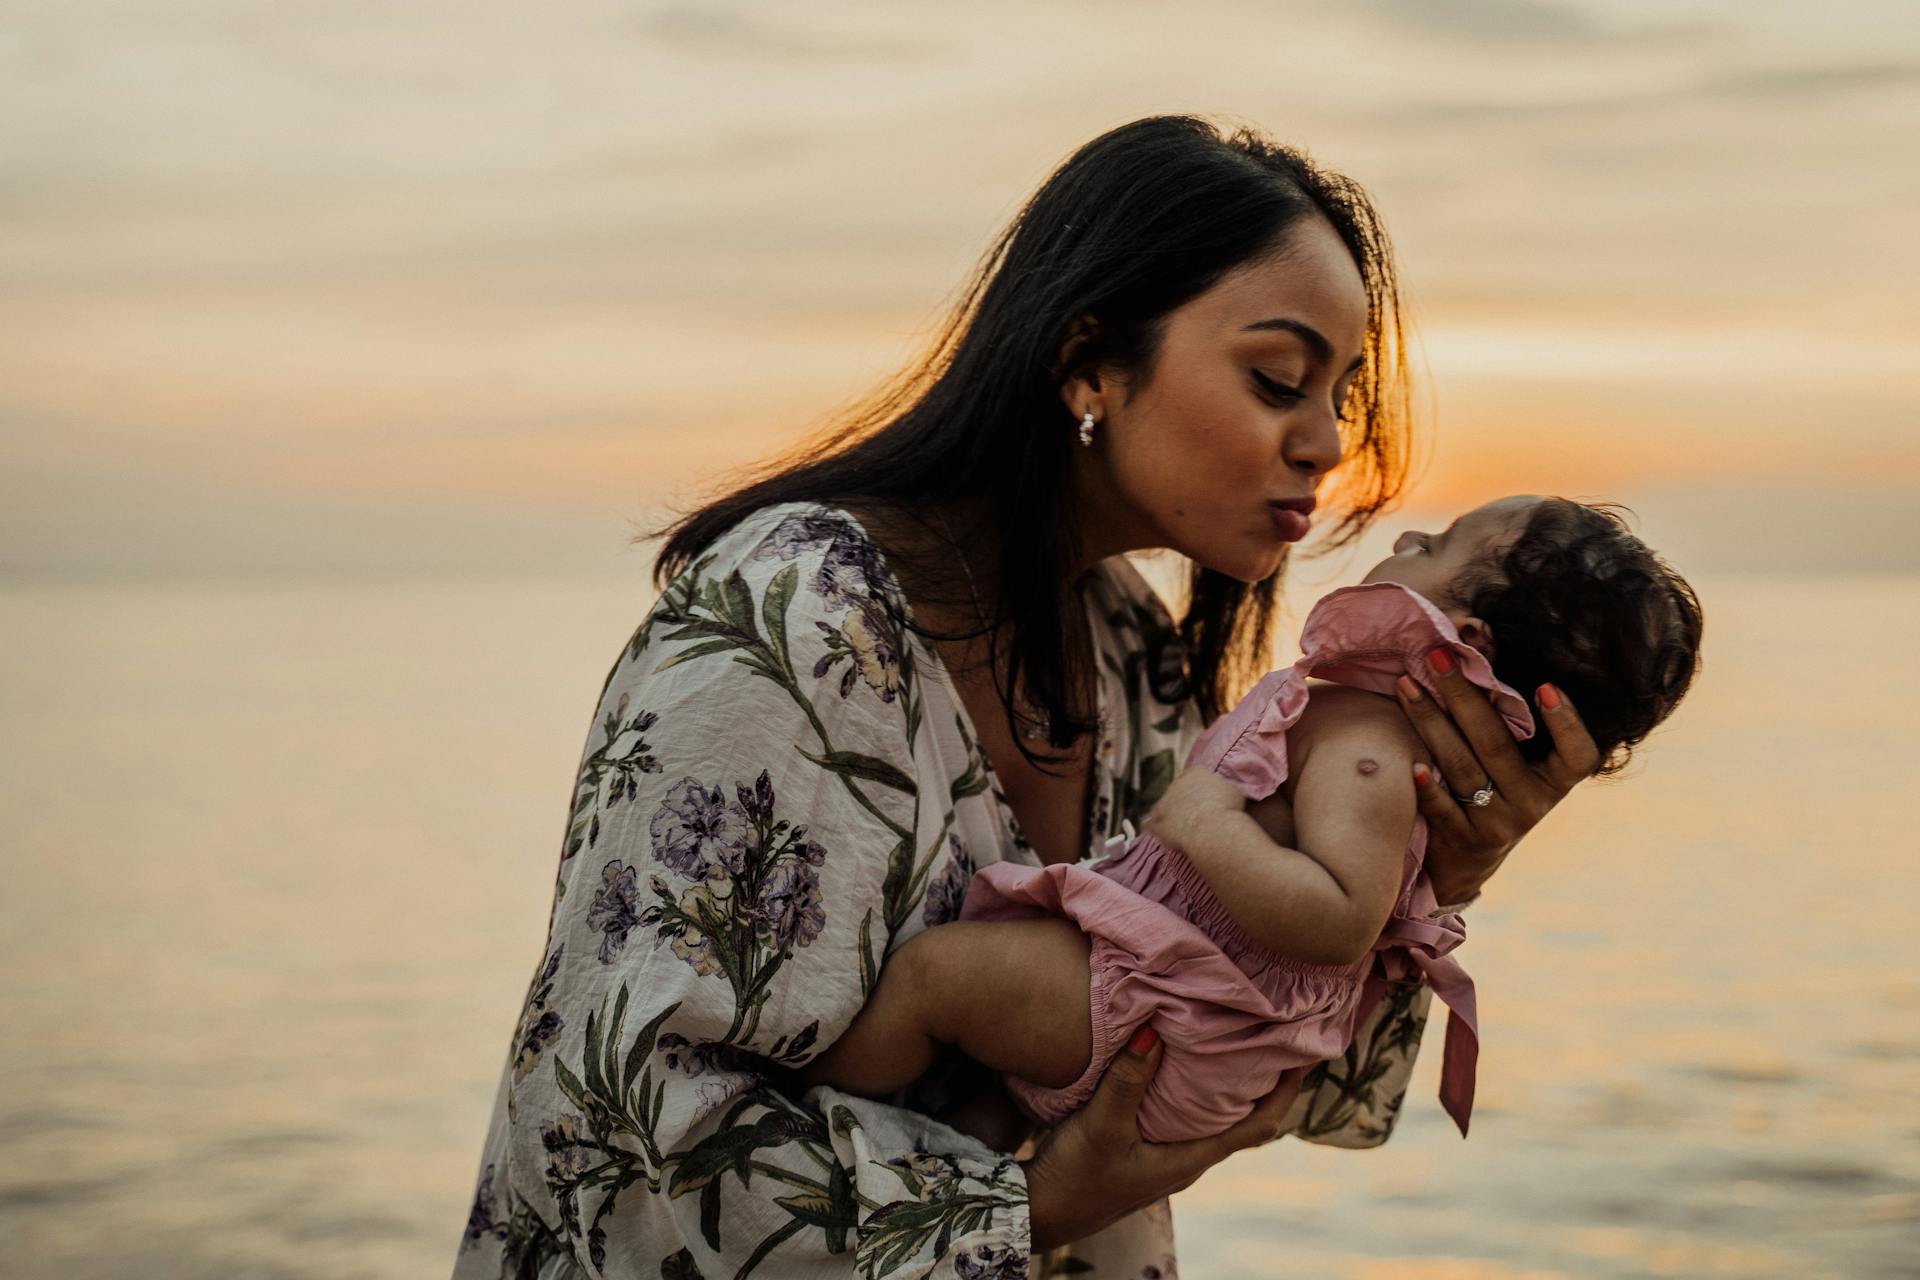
<point x="1343" y="718"/>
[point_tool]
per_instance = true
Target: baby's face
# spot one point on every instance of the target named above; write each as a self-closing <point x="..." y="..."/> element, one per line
<point x="1429" y="562"/>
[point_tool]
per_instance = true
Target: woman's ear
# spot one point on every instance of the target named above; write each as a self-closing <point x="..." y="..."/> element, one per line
<point x="1075" y="390"/>
<point x="1478" y="634"/>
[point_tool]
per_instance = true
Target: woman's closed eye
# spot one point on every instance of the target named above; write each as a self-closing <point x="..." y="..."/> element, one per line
<point x="1277" y="390"/>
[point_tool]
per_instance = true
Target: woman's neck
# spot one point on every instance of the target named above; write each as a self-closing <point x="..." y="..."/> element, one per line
<point x="1109" y="525"/>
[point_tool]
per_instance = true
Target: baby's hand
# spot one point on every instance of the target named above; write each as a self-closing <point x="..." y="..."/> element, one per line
<point x="1193" y="799"/>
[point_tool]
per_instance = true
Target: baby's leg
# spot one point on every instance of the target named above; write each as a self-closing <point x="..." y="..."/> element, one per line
<point x="1010" y="994"/>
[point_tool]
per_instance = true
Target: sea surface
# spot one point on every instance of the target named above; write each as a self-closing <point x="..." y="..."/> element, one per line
<point x="278" y="858"/>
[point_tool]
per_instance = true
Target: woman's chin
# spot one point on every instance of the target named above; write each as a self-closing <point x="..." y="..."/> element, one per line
<point x="1241" y="561"/>
<point x="1263" y="565"/>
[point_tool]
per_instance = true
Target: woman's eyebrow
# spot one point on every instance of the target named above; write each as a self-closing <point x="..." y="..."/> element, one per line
<point x="1315" y="340"/>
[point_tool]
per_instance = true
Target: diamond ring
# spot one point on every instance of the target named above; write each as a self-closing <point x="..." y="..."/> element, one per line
<point x="1479" y="799"/>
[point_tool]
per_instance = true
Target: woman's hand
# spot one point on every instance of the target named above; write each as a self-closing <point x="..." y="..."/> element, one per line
<point x="1191" y="801"/>
<point x="1093" y="1168"/>
<point x="1473" y="748"/>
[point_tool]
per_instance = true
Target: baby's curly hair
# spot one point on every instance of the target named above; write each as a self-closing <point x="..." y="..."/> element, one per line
<point x="1576" y="600"/>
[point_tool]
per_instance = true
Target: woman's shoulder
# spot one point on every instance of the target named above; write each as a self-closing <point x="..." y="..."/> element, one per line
<point x="794" y="591"/>
<point x="815" y="557"/>
<point x="769" y="538"/>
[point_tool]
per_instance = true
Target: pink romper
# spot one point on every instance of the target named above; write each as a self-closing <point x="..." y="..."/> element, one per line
<point x="1233" y="1016"/>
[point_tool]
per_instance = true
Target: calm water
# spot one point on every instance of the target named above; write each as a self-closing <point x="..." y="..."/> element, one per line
<point x="279" y="858"/>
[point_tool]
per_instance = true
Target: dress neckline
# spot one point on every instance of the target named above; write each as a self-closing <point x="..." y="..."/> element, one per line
<point x="932" y="664"/>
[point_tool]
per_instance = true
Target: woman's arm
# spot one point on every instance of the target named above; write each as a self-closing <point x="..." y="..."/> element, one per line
<point x="1325" y="901"/>
<point x="745" y="840"/>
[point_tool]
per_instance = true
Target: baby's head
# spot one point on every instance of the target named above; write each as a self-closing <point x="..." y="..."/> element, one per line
<point x="1559" y="592"/>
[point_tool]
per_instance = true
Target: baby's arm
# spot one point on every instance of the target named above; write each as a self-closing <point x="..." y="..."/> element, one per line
<point x="1326" y="900"/>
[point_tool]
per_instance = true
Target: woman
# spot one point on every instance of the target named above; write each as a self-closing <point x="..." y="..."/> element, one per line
<point x="915" y="648"/>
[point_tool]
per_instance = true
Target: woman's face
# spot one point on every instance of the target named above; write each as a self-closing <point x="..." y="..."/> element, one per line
<point x="1241" y="412"/>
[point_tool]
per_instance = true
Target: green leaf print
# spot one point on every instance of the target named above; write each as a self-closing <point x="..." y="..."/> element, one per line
<point x="680" y="1266"/>
<point x="696" y="651"/>
<point x="869" y="970"/>
<point x="853" y="764"/>
<point x="898" y="1233"/>
<point x="736" y="604"/>
<point x="773" y="610"/>
<point x="643" y="1044"/>
<point x="1156" y="774"/>
<point x="731" y="1148"/>
<point x="1355" y="1076"/>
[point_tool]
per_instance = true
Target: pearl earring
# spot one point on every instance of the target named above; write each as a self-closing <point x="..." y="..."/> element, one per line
<point x="1086" y="429"/>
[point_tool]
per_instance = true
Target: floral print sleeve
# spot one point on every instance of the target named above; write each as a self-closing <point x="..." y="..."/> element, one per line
<point x="750" y="833"/>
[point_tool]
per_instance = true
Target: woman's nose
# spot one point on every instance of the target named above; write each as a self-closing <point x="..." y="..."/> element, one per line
<point x="1315" y="448"/>
<point x="1406" y="541"/>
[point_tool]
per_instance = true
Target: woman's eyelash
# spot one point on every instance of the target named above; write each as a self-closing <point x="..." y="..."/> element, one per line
<point x="1273" y="388"/>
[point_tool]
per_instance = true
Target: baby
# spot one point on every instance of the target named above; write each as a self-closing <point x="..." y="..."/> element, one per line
<point x="1279" y="884"/>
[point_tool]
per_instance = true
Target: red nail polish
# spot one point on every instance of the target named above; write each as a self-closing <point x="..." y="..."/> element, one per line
<point x="1549" y="696"/>
<point x="1142" y="1040"/>
<point x="1441" y="660"/>
<point x="1408" y="689"/>
<point x="1420" y="775"/>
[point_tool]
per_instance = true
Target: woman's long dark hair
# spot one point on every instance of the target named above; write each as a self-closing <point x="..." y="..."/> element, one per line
<point x="1134" y="224"/>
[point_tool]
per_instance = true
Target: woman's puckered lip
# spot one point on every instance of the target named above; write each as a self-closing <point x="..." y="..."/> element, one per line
<point x="1304" y="505"/>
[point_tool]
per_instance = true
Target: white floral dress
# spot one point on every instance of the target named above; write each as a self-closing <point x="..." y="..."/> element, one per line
<point x="779" y="788"/>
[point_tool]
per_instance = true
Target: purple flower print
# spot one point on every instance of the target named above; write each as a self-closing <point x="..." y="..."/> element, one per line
<point x="699" y="833"/>
<point x="851" y="570"/>
<point x="791" y="911"/>
<point x="480" y="1220"/>
<point x="808" y="849"/>
<point x="946" y="894"/>
<point x="874" y="654"/>
<point x="756" y="801"/>
<point x="675" y="1049"/>
<point x="926" y="1174"/>
<point x="714" y="1094"/>
<point x="797" y="532"/>
<point x="616" y="908"/>
<point x="870" y="648"/>
<point x="990" y="1262"/>
<point x="534" y="1041"/>
<point x="568" y="1154"/>
<point x="539" y="1025"/>
<point x="705" y="1057"/>
<point x="690" y="942"/>
<point x="693" y="1058"/>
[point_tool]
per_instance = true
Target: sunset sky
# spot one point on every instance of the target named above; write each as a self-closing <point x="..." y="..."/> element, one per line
<point x="467" y="286"/>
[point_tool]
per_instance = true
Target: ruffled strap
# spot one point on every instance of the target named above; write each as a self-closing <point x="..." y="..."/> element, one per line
<point x="1370" y="635"/>
<point x="1414" y="947"/>
<point x="1248" y="744"/>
